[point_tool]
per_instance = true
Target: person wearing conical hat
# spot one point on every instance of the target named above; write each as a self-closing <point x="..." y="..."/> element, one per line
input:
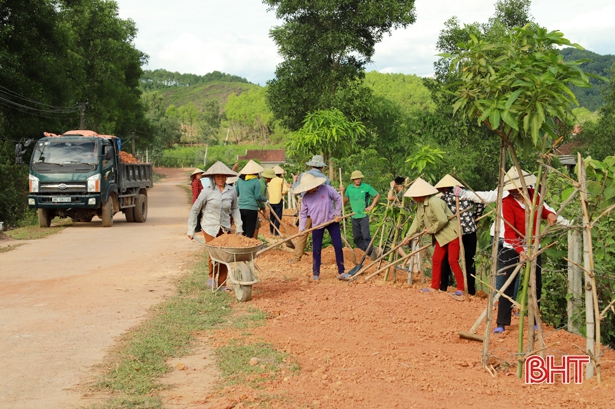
<point x="279" y="171"/>
<point x="195" y="183"/>
<point x="318" y="199"/>
<point x="249" y="194"/>
<point x="217" y="204"/>
<point x="196" y="186"/>
<point x="433" y="217"/>
<point x="362" y="198"/>
<point x="316" y="165"/>
<point x="511" y="179"/>
<point x="514" y="208"/>
<point x="276" y="189"/>
<point x="469" y="213"/>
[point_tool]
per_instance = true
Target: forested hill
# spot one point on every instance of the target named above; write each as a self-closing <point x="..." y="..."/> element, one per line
<point x="200" y="94"/>
<point x="162" y="79"/>
<point x="590" y="98"/>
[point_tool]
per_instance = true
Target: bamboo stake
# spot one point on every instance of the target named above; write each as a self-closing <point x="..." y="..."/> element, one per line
<point x="354" y="257"/>
<point x="496" y="296"/>
<point x="494" y="255"/>
<point x="461" y="250"/>
<point x="354" y="277"/>
<point x="593" y="325"/>
<point x="394" y="254"/>
<point x="407" y="256"/>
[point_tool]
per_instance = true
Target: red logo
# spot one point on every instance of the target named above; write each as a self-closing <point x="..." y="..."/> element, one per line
<point x="539" y="370"/>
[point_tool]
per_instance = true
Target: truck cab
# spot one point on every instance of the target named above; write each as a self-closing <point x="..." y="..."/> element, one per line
<point x="79" y="174"/>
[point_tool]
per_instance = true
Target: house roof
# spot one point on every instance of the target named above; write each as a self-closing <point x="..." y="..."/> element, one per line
<point x="272" y="156"/>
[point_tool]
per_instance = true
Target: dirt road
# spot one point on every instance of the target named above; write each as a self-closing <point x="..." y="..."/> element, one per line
<point x="66" y="298"/>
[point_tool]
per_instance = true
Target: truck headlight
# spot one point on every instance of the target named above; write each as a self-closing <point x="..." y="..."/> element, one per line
<point x="33" y="183"/>
<point x="94" y="183"/>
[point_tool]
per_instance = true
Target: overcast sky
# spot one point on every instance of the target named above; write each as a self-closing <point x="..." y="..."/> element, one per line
<point x="232" y="36"/>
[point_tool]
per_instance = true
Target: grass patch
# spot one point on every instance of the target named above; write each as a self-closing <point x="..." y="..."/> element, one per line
<point x="251" y="364"/>
<point x="253" y="318"/>
<point x="33" y="232"/>
<point x="10" y="247"/>
<point x="134" y="370"/>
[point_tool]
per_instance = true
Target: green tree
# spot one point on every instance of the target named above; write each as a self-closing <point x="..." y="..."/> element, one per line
<point x="165" y="128"/>
<point x="188" y="115"/>
<point x="407" y="91"/>
<point x="56" y="55"/>
<point x="106" y="66"/>
<point x="328" y="133"/>
<point x="210" y="120"/>
<point x="517" y="86"/>
<point x="326" y="45"/>
<point x="249" y="116"/>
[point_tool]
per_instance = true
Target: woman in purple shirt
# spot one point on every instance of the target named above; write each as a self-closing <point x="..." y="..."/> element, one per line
<point x="318" y="204"/>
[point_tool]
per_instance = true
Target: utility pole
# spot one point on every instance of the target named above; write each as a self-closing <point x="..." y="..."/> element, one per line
<point x="133" y="137"/>
<point x="82" y="121"/>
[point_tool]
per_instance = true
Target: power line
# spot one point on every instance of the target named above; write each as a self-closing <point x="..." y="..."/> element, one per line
<point x="15" y="94"/>
<point x="50" y="111"/>
<point x="40" y="115"/>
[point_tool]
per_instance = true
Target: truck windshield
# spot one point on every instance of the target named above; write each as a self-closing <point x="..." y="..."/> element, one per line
<point x="63" y="152"/>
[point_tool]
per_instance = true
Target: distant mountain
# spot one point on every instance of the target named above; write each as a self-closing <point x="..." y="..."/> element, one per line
<point x="162" y="79"/>
<point x="180" y="89"/>
<point x="590" y="98"/>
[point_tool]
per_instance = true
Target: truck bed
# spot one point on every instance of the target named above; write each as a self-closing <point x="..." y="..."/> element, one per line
<point x="140" y="175"/>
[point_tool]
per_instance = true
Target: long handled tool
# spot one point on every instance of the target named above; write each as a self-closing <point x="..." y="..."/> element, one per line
<point x="364" y="269"/>
<point x="289" y="244"/>
<point x="359" y="266"/>
<point x="354" y="257"/>
<point x="407" y="256"/>
<point x="294" y="236"/>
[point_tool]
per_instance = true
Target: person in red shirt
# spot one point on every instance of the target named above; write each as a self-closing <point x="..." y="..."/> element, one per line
<point x="515" y="244"/>
<point x="197" y="186"/>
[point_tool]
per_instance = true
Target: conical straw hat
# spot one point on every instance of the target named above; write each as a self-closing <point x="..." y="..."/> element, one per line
<point x="251" y="168"/>
<point x="308" y="181"/>
<point x="447" y="181"/>
<point x="197" y="171"/>
<point x="421" y="188"/>
<point x="230" y="181"/>
<point x="512" y="180"/>
<point x="219" y="168"/>
<point x="278" y="170"/>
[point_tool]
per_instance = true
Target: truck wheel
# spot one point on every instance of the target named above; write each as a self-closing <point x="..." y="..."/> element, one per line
<point x="129" y="212"/>
<point x="140" y="209"/>
<point x="44" y="217"/>
<point x="107" y="213"/>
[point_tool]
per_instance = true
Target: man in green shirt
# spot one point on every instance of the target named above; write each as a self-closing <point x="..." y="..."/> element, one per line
<point x="359" y="195"/>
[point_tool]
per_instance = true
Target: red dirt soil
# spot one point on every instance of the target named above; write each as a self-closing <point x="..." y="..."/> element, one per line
<point x="234" y="240"/>
<point x="379" y="344"/>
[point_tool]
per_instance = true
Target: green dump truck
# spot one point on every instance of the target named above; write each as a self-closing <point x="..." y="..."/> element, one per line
<point x="80" y="174"/>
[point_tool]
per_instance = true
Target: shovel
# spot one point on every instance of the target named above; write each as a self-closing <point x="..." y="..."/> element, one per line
<point x="359" y="266"/>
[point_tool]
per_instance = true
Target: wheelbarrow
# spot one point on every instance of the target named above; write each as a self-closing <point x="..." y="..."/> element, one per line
<point x="240" y="264"/>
